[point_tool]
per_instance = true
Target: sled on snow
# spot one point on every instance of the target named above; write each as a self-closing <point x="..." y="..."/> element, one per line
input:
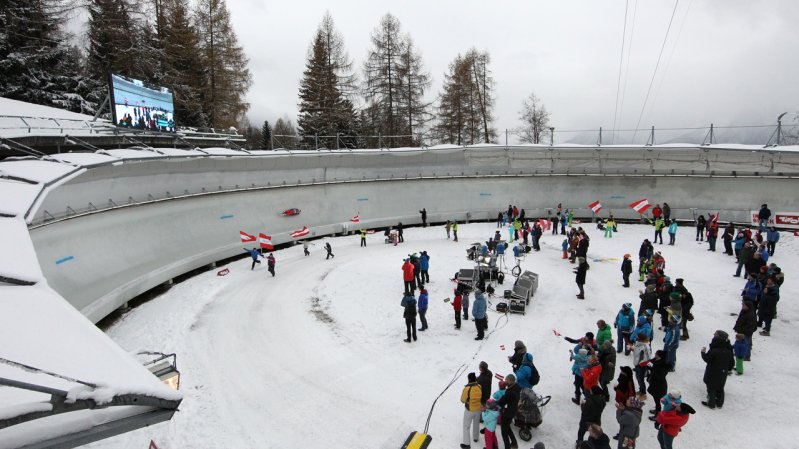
<point x="291" y="212"/>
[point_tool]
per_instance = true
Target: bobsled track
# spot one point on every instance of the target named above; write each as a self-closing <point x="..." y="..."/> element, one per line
<point x="99" y="229"/>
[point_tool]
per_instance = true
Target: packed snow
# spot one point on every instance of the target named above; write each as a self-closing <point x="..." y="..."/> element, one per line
<point x="315" y="358"/>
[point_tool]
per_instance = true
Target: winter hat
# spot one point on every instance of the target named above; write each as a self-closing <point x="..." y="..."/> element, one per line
<point x="472" y="377"/>
<point x="679" y="281"/>
<point x="660" y="353"/>
<point x="502" y="385"/>
<point x="723" y="335"/>
<point x="539" y="445"/>
<point x="510" y="379"/>
<point x="675" y="394"/>
<point x="641" y="319"/>
<point x="583" y="352"/>
<point x="628" y="305"/>
<point x="589" y="336"/>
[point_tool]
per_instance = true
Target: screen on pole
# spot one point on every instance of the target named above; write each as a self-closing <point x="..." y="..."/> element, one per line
<point x="137" y="105"/>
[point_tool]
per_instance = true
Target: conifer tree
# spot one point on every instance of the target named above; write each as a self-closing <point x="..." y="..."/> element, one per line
<point x="226" y="78"/>
<point x="266" y="136"/>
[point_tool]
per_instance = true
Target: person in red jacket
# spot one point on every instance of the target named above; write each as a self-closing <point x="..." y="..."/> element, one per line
<point x="456" y="304"/>
<point x="657" y="212"/>
<point x="408" y="277"/>
<point x="669" y="424"/>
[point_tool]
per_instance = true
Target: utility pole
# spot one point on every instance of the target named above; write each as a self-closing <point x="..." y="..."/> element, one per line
<point x="551" y="136"/>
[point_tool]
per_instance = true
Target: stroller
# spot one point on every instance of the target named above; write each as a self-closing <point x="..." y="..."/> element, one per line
<point x="530" y="412"/>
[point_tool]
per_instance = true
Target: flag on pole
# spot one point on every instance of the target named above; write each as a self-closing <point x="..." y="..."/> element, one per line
<point x="265" y="241"/>
<point x="557" y="334"/>
<point x="356" y="218"/>
<point x="300" y="232"/>
<point x="640" y="206"/>
<point x="715" y="219"/>
<point x="246" y="238"/>
<point x="595" y="206"/>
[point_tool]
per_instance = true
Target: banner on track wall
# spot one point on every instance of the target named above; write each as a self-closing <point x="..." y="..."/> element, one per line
<point x="780" y="219"/>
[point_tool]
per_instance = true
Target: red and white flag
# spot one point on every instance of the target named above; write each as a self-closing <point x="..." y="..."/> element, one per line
<point x="223" y="272"/>
<point x="246" y="238"/>
<point x="499" y="376"/>
<point x="595" y="206"/>
<point x="265" y="241"/>
<point x="152" y="445"/>
<point x="300" y="232"/>
<point x="715" y="218"/>
<point x="356" y="218"/>
<point x="557" y="334"/>
<point x="543" y="223"/>
<point x="640" y="206"/>
<point x="502" y="347"/>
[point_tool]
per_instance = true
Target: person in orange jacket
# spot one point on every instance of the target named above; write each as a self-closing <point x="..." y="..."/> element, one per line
<point x="669" y="424"/>
<point x="408" y="277"/>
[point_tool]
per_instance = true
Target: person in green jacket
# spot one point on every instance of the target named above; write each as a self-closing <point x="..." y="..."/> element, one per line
<point x="455" y="230"/>
<point x="363" y="237"/>
<point x="604" y="333"/>
<point x="659" y="225"/>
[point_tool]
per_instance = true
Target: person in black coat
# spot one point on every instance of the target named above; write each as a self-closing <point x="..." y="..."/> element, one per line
<point x="746" y="324"/>
<point x="424" y="217"/>
<point x="687" y="302"/>
<point x="580" y="272"/>
<point x="509" y="404"/>
<point x="591" y="411"/>
<point x="485" y="379"/>
<point x="626" y="270"/>
<point x="700" y="228"/>
<point x="658" y="385"/>
<point x="400" y="238"/>
<point x="649" y="300"/>
<point x="720" y="360"/>
<point x="409" y="304"/>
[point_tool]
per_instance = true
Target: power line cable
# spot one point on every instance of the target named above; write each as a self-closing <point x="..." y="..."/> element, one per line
<point x="621" y="61"/>
<point x="662" y="47"/>
<point x="629" y="53"/>
<point x="671" y="55"/>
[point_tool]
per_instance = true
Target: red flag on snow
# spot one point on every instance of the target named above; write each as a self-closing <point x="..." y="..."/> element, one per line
<point x="265" y="241"/>
<point x="300" y="232"/>
<point x="640" y="206"/>
<point x="356" y="218"/>
<point x="595" y="206"/>
<point x="557" y="334"/>
<point x="223" y="272"/>
<point x="246" y="238"/>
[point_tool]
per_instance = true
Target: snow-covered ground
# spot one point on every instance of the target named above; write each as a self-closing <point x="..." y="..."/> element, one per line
<point x="314" y="357"/>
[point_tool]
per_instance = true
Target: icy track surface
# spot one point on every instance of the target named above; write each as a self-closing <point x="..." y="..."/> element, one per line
<point x="314" y="357"/>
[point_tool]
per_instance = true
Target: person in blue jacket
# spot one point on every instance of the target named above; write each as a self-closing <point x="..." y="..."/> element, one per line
<point x="524" y="375"/>
<point x="563" y="220"/>
<point x="753" y="290"/>
<point x="422" y="303"/>
<point x="255" y="254"/>
<point x="671" y="341"/>
<point x="424" y="266"/>
<point x="644" y="327"/>
<point x="479" y="314"/>
<point x="672" y="232"/>
<point x="624" y="324"/>
<point x="772" y="237"/>
<point x="580" y="357"/>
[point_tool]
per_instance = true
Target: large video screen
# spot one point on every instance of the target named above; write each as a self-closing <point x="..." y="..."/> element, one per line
<point x="137" y="105"/>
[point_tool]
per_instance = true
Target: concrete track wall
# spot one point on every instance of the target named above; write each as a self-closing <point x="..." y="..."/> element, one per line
<point x="100" y="260"/>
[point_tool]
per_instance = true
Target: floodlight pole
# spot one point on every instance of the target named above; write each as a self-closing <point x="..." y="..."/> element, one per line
<point x="551" y="136"/>
<point x="779" y="128"/>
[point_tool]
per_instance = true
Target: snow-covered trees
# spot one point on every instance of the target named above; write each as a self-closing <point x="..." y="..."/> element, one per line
<point x="465" y="109"/>
<point x="36" y="65"/>
<point x="325" y="110"/>
<point x="535" y="119"/>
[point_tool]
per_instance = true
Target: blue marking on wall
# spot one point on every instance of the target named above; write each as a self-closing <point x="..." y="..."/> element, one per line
<point x="363" y="199"/>
<point x="485" y="194"/>
<point x="64" y="259"/>
<point x="618" y="197"/>
<point x="225" y="217"/>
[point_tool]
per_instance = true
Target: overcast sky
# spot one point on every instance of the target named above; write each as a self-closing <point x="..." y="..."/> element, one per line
<point x="725" y="61"/>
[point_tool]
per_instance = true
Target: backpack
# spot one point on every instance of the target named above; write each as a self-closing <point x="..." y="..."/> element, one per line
<point x="535" y="377"/>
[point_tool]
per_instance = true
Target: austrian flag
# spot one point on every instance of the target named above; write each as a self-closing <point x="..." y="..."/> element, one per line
<point x="265" y="241"/>
<point x="300" y="232"/>
<point x="640" y="206"/>
<point x="595" y="206"/>
<point x="356" y="219"/>
<point x="246" y="238"/>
